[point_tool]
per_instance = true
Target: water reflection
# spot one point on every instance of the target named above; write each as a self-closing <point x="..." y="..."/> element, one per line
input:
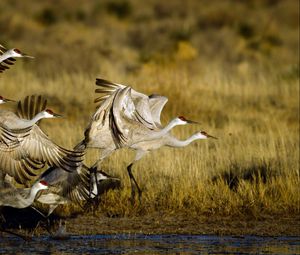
<point x="152" y="244"/>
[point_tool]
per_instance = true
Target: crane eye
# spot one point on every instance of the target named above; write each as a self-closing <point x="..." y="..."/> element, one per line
<point x="203" y="133"/>
<point x="17" y="51"/>
<point x="182" y="118"/>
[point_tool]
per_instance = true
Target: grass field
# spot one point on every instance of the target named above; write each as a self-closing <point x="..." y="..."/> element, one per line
<point x="232" y="66"/>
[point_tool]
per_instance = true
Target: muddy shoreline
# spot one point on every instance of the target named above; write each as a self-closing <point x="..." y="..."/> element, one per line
<point x="184" y="224"/>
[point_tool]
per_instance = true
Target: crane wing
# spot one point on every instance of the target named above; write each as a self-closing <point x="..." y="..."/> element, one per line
<point x="72" y="185"/>
<point x="115" y="119"/>
<point x="6" y="61"/>
<point x="129" y="112"/>
<point x="40" y="148"/>
<point x="31" y="106"/>
<point x="22" y="170"/>
<point x="13" y="158"/>
<point x="107" y="88"/>
<point x="138" y="106"/>
<point x="2" y="49"/>
<point x="157" y="103"/>
<point x="10" y="137"/>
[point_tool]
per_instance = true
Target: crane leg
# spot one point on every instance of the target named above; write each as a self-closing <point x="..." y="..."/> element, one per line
<point x="46" y="217"/>
<point x="93" y="171"/>
<point x="133" y="185"/>
<point x="38" y="211"/>
<point x="96" y="200"/>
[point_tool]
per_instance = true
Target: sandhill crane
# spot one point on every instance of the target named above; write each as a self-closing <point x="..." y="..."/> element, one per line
<point x="77" y="186"/>
<point x="39" y="149"/>
<point x="102" y="182"/>
<point x="12" y="121"/>
<point x="8" y="135"/>
<point x="123" y="118"/>
<point x="66" y="187"/>
<point x="166" y="140"/>
<point x="30" y="113"/>
<point x="7" y="57"/>
<point x="21" y="197"/>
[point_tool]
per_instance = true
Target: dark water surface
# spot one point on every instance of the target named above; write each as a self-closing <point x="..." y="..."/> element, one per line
<point x="152" y="244"/>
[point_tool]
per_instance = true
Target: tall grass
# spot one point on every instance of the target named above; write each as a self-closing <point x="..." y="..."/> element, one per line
<point x="253" y="167"/>
<point x="238" y="79"/>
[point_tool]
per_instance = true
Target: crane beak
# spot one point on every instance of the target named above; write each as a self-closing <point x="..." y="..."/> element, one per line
<point x="26" y="56"/>
<point x="192" y="122"/>
<point x="210" y="136"/>
<point x="8" y="100"/>
<point x="55" y="115"/>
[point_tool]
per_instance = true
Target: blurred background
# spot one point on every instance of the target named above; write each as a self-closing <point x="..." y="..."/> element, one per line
<point x="149" y="44"/>
<point x="95" y="36"/>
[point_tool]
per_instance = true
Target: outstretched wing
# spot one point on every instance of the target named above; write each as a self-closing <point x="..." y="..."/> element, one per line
<point x="74" y="185"/>
<point x="40" y="148"/>
<point x="22" y="154"/>
<point x="137" y="103"/>
<point x="14" y="159"/>
<point x="122" y="113"/>
<point x="31" y="106"/>
<point x="157" y="103"/>
<point x="38" y="145"/>
<point x="106" y="88"/>
<point x="5" y="62"/>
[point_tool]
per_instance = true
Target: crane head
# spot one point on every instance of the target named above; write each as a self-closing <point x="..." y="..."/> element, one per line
<point x="204" y="135"/>
<point x="41" y="185"/>
<point x="183" y="121"/>
<point x="48" y="114"/>
<point x="16" y="53"/>
<point x="4" y="100"/>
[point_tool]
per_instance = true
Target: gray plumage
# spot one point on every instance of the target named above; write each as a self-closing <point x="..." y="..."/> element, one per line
<point x="20" y="197"/>
<point x="34" y="150"/>
<point x="123" y="118"/>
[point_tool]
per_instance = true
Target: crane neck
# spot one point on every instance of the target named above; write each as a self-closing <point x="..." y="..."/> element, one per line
<point x="157" y="134"/>
<point x="32" y="194"/>
<point x="25" y="197"/>
<point x="37" y="117"/>
<point x="28" y="123"/>
<point x="5" y="56"/>
<point x="173" y="123"/>
<point x="174" y="142"/>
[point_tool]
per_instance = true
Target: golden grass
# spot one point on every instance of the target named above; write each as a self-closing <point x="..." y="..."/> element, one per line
<point x="243" y="87"/>
<point x="256" y="123"/>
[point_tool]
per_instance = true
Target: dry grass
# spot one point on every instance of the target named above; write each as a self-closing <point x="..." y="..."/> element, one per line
<point x="238" y="78"/>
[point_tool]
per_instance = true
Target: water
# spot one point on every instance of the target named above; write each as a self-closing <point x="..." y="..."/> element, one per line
<point x="152" y="244"/>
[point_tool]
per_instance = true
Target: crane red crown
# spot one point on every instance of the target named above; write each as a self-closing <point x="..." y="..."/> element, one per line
<point x="49" y="111"/>
<point x="44" y="182"/>
<point x="17" y="50"/>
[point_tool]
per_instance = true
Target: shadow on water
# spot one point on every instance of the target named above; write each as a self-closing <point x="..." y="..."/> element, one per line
<point x="152" y="244"/>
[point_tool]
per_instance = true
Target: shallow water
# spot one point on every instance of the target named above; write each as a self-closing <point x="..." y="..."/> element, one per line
<point x="152" y="244"/>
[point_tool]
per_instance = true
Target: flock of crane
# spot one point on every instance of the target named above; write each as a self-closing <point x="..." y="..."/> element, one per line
<point x="31" y="162"/>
